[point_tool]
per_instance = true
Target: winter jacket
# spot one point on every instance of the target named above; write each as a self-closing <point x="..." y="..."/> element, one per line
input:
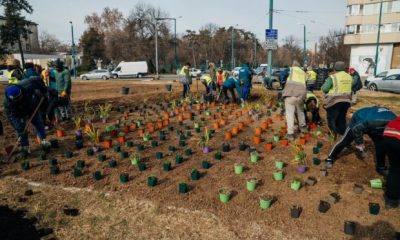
<point x="357" y="84"/>
<point x="245" y="75"/>
<point x="393" y="129"/>
<point x="371" y="121"/>
<point x="30" y="72"/>
<point x="63" y="81"/>
<point x="231" y="83"/>
<point x="33" y="89"/>
<point x="284" y="75"/>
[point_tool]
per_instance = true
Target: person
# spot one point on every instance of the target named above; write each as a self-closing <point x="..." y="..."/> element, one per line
<point x="245" y="77"/>
<point x="294" y="95"/>
<point x="63" y="86"/>
<point x="206" y="80"/>
<point x="391" y="145"/>
<point x="337" y="89"/>
<point x="283" y="75"/>
<point x="30" y="70"/>
<point x="221" y="77"/>
<point x="185" y="78"/>
<point x="231" y="84"/>
<point x="213" y="75"/>
<point x="357" y="84"/>
<point x="311" y="79"/>
<point x="20" y="102"/>
<point x="371" y="121"/>
<point x="15" y="73"/>
<point x="311" y="109"/>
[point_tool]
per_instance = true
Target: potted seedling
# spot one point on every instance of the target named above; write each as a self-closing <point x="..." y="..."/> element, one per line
<point x="93" y="134"/>
<point x="299" y="157"/>
<point x="205" y="164"/>
<point x="311" y="181"/>
<point x="295" y="211"/>
<point x="323" y="172"/>
<point x="159" y="155"/>
<point x="152" y="181"/>
<point x="104" y="112"/>
<point x="218" y="155"/>
<point x="266" y="201"/>
<point x="316" y="161"/>
<point x="238" y="168"/>
<point x="178" y="159"/>
<point x="78" y="129"/>
<point x="124" y="155"/>
<point x="251" y="184"/>
<point x="54" y="170"/>
<point x="79" y="144"/>
<point x="376" y="183"/>
<point x="89" y="152"/>
<point x="141" y="166"/>
<point x="203" y="143"/>
<point x="278" y="175"/>
<point x="53" y="162"/>
<point x="357" y="188"/>
<point x="276" y="137"/>
<point x="254" y="157"/>
<point x="25" y="165"/>
<point x="121" y="138"/>
<point x="80" y="164"/>
<point x="224" y="195"/>
<point x="374" y="208"/>
<point x="167" y="165"/>
<point x="242" y="146"/>
<point x="146" y="137"/>
<point x="41" y="155"/>
<point x="117" y="149"/>
<point x="349" y="227"/>
<point x="140" y="147"/>
<point x="124" y="177"/>
<point x="279" y="164"/>
<point x="172" y="148"/>
<point x="295" y="184"/>
<point x="333" y="198"/>
<point x="101" y="157"/>
<point x="226" y="147"/>
<point x="68" y="154"/>
<point x="195" y="174"/>
<point x="182" y="187"/>
<point x="268" y="146"/>
<point x="76" y="172"/>
<point x="129" y="144"/>
<point x="188" y="152"/>
<point x="154" y="143"/>
<point x="112" y="163"/>
<point x="323" y="206"/>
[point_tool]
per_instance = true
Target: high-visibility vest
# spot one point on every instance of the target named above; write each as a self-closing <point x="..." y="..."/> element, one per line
<point x="207" y="79"/>
<point x="11" y="79"/>
<point x="297" y="75"/>
<point x="342" y="82"/>
<point x="182" y="71"/>
<point x="311" y="75"/>
<point x="311" y="95"/>
<point x="221" y="77"/>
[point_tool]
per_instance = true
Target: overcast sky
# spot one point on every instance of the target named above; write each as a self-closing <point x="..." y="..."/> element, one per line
<point x="251" y="15"/>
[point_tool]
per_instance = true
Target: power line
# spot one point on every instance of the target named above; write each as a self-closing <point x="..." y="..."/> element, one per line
<point x="307" y="11"/>
<point x="304" y="19"/>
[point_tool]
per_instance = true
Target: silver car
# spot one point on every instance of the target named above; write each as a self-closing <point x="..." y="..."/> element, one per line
<point x="390" y="83"/>
<point x="96" y="74"/>
<point x="3" y="75"/>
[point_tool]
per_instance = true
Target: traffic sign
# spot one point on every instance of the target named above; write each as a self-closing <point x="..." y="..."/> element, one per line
<point x="271" y="44"/>
<point x="271" y="34"/>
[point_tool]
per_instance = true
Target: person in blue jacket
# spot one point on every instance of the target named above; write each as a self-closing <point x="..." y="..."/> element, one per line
<point x="20" y="102"/>
<point x="371" y="121"/>
<point x="245" y="77"/>
<point x="283" y="76"/>
<point x="231" y="84"/>
<point x="30" y="70"/>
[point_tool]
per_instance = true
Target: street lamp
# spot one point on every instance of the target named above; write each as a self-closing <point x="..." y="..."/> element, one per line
<point x="378" y="39"/>
<point x="73" y="50"/>
<point x="232" y="40"/>
<point x="305" y="44"/>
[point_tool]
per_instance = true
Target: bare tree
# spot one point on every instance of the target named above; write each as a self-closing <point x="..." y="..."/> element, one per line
<point x="332" y="48"/>
<point x="49" y="43"/>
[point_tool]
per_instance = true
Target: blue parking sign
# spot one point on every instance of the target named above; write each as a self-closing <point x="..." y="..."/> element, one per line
<point x="271" y="33"/>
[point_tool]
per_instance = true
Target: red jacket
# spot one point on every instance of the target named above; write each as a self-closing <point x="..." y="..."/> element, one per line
<point x="393" y="129"/>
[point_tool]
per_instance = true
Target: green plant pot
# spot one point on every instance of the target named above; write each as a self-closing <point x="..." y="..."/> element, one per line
<point x="159" y="155"/>
<point x="140" y="147"/>
<point x="265" y="202"/>
<point x="80" y="164"/>
<point x="53" y="162"/>
<point x="278" y="176"/>
<point x="101" y="157"/>
<point x="188" y="152"/>
<point x="112" y="163"/>
<point x="254" y="158"/>
<point x="142" y="167"/>
<point x="54" y="170"/>
<point x="182" y="187"/>
<point x="25" y="165"/>
<point x="124" y="155"/>
<point x="276" y="138"/>
<point x="295" y="185"/>
<point x="97" y="175"/>
<point x="178" y="159"/>
<point x="134" y="161"/>
<point x="146" y="138"/>
<point x="196" y="125"/>
<point x="68" y="154"/>
<point x="251" y="185"/>
<point x="218" y="155"/>
<point x="238" y="168"/>
<point x="195" y="175"/>
<point x="154" y="143"/>
<point x="129" y="144"/>
<point x="224" y="196"/>
<point x="151" y="181"/>
<point x="117" y="149"/>
<point x="205" y="164"/>
<point x="76" y="172"/>
<point x="279" y="165"/>
<point x="376" y="183"/>
<point x="124" y="177"/>
<point x="167" y="167"/>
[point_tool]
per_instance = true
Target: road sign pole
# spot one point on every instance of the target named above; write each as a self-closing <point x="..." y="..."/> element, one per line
<point x="271" y="7"/>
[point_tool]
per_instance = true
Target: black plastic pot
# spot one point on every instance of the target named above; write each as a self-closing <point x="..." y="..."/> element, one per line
<point x="163" y="138"/>
<point x="80" y="164"/>
<point x="242" y="146"/>
<point x="117" y="149"/>
<point x="124" y="177"/>
<point x="140" y="147"/>
<point x="79" y="144"/>
<point x="226" y="147"/>
<point x="205" y="164"/>
<point x="181" y="143"/>
<point x="167" y="166"/>
<point x="218" y="155"/>
<point x="295" y="212"/>
<point x="323" y="206"/>
<point x="171" y="148"/>
<point x="182" y="187"/>
<point x="101" y="157"/>
<point x="349" y="227"/>
<point x="53" y="162"/>
<point x="188" y="133"/>
<point x="54" y="143"/>
<point x="25" y="165"/>
<point x="76" y="172"/>
<point x="142" y="166"/>
<point x="112" y="163"/>
<point x="188" y="152"/>
<point x="89" y="152"/>
<point x="170" y="128"/>
<point x="41" y="156"/>
<point x="54" y="170"/>
<point x="195" y="175"/>
<point x="315" y="150"/>
<point x="68" y="154"/>
<point x="123" y="155"/>
<point x="129" y="144"/>
<point x="374" y="208"/>
<point x="125" y="90"/>
<point x="319" y="145"/>
<point x="159" y="155"/>
<point x="151" y="181"/>
<point x="154" y="143"/>
<point x="316" y="161"/>
<point x="178" y="159"/>
<point x="97" y="175"/>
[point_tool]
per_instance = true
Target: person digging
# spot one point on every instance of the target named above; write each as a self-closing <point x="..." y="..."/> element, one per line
<point x="371" y="121"/>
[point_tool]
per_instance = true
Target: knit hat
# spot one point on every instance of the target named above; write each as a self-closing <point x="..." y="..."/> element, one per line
<point x="13" y="92"/>
<point x="339" y="66"/>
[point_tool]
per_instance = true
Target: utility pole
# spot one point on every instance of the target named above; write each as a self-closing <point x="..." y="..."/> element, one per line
<point x="156" y="37"/>
<point x="255" y="53"/>
<point x="305" y="45"/>
<point x="73" y="65"/>
<point x="232" y="49"/>
<point x="377" y="40"/>
<point x="271" y="8"/>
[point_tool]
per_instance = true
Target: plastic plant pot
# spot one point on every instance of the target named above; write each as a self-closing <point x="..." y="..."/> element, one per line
<point x="76" y="172"/>
<point x="357" y="188"/>
<point x="129" y="144"/>
<point x="242" y="146"/>
<point x="188" y="152"/>
<point x="117" y="149"/>
<point x="140" y="147"/>
<point x="188" y="133"/>
<point x="101" y="157"/>
<point x="206" y="150"/>
<point x="54" y="143"/>
<point x="172" y="148"/>
<point x="124" y="177"/>
<point x="197" y="130"/>
<point x="268" y="146"/>
<point x="311" y="181"/>
<point x="238" y="168"/>
<point x="151" y="181"/>
<point x="316" y="161"/>
<point x="178" y="159"/>
<point x="205" y="164"/>
<point x="142" y="166"/>
<point x="68" y="154"/>
<point x="301" y="168"/>
<point x="349" y="227"/>
<point x="89" y="152"/>
<point x="154" y="143"/>
<point x="265" y="201"/>
<point x="376" y="183"/>
<point x="279" y="165"/>
<point x="170" y="128"/>
<point x="374" y="208"/>
<point x="167" y="166"/>
<point x="97" y="175"/>
<point x="53" y="162"/>
<point x="123" y="155"/>
<point x="80" y="164"/>
<point x="79" y="144"/>
<point x="182" y="187"/>
<point x="251" y="184"/>
<point x="224" y="195"/>
<point x="196" y="125"/>
<point x="41" y="156"/>
<point x="323" y="172"/>
<point x="278" y="176"/>
<point x="333" y="198"/>
<point x="25" y="165"/>
<point x="218" y="155"/>
<point x="295" y="185"/>
<point x="163" y="138"/>
<point x="180" y="123"/>
<point x="323" y="206"/>
<point x="315" y="150"/>
<point x="181" y="143"/>
<point x="295" y="211"/>
<point x="226" y="147"/>
<point x="195" y="174"/>
<point x="319" y="145"/>
<point x="112" y="163"/>
<point x="159" y="155"/>
<point x="54" y="170"/>
<point x="276" y="138"/>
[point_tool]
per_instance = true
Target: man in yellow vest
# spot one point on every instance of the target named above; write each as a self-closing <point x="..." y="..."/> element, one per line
<point x="311" y="79"/>
<point x="337" y="89"/>
<point x="185" y="78"/>
<point x="15" y="73"/>
<point x="294" y="94"/>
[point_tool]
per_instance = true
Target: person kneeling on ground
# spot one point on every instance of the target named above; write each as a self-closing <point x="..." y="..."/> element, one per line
<point x="231" y="84"/>
<point x="311" y="109"/>
<point x="20" y="102"/>
<point x="208" y="83"/>
<point x="370" y="121"/>
<point x="391" y="143"/>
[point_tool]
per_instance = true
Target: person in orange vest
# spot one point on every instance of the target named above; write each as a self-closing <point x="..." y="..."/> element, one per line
<point x="221" y="77"/>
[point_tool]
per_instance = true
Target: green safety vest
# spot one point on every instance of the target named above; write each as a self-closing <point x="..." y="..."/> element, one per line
<point x="342" y="82"/>
<point x="11" y="79"/>
<point x="297" y="75"/>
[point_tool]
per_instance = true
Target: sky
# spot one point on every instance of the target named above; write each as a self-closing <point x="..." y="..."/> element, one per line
<point x="251" y="15"/>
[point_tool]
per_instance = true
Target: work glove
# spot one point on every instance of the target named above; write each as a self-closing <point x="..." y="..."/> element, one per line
<point x="64" y="94"/>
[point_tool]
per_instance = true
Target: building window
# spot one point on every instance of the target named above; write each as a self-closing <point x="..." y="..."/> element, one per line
<point x="353" y="10"/>
<point x="395" y="6"/>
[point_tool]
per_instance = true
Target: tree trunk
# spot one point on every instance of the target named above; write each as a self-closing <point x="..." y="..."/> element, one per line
<point x="22" y="54"/>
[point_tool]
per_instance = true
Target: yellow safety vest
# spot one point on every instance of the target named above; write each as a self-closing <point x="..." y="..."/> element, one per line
<point x="342" y="82"/>
<point x="182" y="71"/>
<point x="207" y="79"/>
<point x="297" y="75"/>
<point x="311" y="75"/>
<point x="11" y="79"/>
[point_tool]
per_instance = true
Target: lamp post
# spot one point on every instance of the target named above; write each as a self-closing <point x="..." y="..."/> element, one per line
<point x="175" y="42"/>
<point x="73" y="50"/>
<point x="305" y="43"/>
<point x="271" y="10"/>
<point x="377" y="40"/>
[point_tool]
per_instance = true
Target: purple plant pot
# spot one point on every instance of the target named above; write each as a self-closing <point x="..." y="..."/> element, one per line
<point x="96" y="149"/>
<point x="301" y="169"/>
<point x="206" y="150"/>
<point x="104" y="120"/>
<point x="78" y="133"/>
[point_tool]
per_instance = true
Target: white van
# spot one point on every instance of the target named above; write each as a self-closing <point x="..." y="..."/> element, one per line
<point x="130" y="69"/>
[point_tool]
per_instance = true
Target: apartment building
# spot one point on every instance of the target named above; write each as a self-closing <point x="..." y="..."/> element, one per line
<point x="362" y="22"/>
<point x="29" y="45"/>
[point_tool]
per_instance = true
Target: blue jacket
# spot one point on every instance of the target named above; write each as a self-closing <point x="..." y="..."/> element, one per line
<point x="30" y="72"/>
<point x="245" y="75"/>
<point x="232" y="83"/>
<point x="33" y="89"/>
<point x="370" y="120"/>
<point x="284" y="75"/>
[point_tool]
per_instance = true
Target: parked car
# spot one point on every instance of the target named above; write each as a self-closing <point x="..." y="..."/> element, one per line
<point x="380" y="76"/>
<point x="3" y="75"/>
<point x="235" y="71"/>
<point x="390" y="83"/>
<point x="195" y="72"/>
<point x="96" y="74"/>
<point x="130" y="69"/>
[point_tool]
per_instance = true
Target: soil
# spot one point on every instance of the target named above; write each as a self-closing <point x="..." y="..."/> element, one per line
<point x="240" y="218"/>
